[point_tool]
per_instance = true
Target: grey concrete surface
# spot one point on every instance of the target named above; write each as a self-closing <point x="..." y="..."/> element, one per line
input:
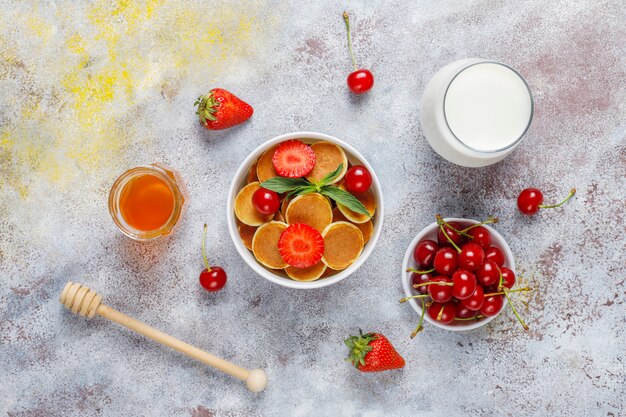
<point x="90" y="89"/>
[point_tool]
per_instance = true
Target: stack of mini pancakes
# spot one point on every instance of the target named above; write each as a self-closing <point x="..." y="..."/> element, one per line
<point x="345" y="232"/>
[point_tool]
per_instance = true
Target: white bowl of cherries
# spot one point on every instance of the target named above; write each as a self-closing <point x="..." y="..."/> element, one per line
<point x="458" y="274"/>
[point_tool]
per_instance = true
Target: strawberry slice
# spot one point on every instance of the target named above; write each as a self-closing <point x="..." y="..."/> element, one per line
<point x="301" y="246"/>
<point x="293" y="159"/>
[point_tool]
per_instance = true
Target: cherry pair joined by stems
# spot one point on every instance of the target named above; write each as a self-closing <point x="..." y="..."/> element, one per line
<point x="361" y="80"/>
<point x="212" y="278"/>
<point x="530" y="200"/>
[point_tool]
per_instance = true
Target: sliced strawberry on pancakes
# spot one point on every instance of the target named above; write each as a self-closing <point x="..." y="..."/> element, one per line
<point x="301" y="246"/>
<point x="293" y="159"/>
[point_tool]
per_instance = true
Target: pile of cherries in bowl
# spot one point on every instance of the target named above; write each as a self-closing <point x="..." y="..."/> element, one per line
<point x="462" y="276"/>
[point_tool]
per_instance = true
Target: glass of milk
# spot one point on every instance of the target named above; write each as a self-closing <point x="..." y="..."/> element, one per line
<point x="474" y="111"/>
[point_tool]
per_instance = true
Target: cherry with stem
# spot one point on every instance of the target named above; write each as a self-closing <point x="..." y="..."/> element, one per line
<point x="361" y="80"/>
<point x="530" y="200"/>
<point x="212" y="278"/>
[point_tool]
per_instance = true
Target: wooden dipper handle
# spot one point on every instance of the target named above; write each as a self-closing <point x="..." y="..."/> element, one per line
<point x="80" y="299"/>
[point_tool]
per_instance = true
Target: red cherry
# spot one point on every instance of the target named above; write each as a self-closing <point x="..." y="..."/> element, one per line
<point x="265" y="201"/>
<point x="495" y="254"/>
<point x="508" y="277"/>
<point x="417" y="279"/>
<point x="471" y="257"/>
<point x="442" y="313"/>
<point x="481" y="236"/>
<point x="360" y="81"/>
<point x="424" y="253"/>
<point x="492" y="305"/>
<point x="488" y="274"/>
<point x="475" y="301"/>
<point x="463" y="312"/>
<point x="529" y="200"/>
<point x="358" y="179"/>
<point x="446" y="261"/>
<point x="440" y="293"/>
<point x="464" y="284"/>
<point x="213" y="280"/>
<point x="456" y="237"/>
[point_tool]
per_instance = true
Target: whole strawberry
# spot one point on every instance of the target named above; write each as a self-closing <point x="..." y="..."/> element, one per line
<point x="220" y="109"/>
<point x="372" y="352"/>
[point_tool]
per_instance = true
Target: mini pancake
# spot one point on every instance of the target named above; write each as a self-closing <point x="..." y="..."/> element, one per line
<point x="245" y="211"/>
<point x="328" y="156"/>
<point x="246" y="233"/>
<point x="343" y="244"/>
<point x="252" y="173"/>
<point x="284" y="204"/>
<point x="367" y="199"/>
<point x="328" y="273"/>
<point x="306" y="274"/>
<point x="366" y="228"/>
<point x="265" y="167"/>
<point x="312" y="209"/>
<point x="279" y="217"/>
<point x="265" y="245"/>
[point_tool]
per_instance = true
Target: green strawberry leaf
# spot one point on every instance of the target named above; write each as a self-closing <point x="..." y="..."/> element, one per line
<point x="284" y="185"/>
<point x="330" y="177"/>
<point x="345" y="199"/>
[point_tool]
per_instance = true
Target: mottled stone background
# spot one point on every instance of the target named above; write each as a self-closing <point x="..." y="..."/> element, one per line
<point x="89" y="89"/>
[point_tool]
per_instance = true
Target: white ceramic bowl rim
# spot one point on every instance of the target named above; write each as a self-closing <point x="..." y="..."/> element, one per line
<point x="248" y="257"/>
<point x="497" y="240"/>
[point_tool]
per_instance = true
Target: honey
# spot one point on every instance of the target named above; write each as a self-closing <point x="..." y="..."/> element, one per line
<point x="146" y="202"/>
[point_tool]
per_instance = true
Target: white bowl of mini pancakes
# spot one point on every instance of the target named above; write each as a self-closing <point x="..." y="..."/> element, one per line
<point x="261" y="257"/>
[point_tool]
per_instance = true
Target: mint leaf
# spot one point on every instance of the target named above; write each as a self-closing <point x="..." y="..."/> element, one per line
<point x="305" y="189"/>
<point x="328" y="178"/>
<point x="345" y="199"/>
<point x="283" y="185"/>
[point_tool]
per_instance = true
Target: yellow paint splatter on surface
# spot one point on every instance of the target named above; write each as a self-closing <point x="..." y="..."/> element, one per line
<point x="79" y="78"/>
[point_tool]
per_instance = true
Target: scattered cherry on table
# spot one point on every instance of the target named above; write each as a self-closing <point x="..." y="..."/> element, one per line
<point x="212" y="278"/>
<point x="361" y="80"/>
<point x="530" y="200"/>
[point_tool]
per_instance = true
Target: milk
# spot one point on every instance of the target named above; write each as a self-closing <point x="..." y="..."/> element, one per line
<point x="474" y="112"/>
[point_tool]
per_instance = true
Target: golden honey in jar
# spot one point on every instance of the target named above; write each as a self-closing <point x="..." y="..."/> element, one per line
<point x="146" y="202"/>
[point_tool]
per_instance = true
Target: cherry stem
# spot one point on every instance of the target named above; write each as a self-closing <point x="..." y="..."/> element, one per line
<point x="405" y="299"/>
<point x="571" y="193"/>
<point x="206" y="262"/>
<point x="461" y="232"/>
<point x="445" y="284"/>
<point x="503" y="293"/>
<point x="508" y="299"/>
<point x="346" y="18"/>
<point x="500" y="281"/>
<point x="419" y="327"/>
<point x="428" y="271"/>
<point x="490" y="220"/>
<point x="478" y="317"/>
<point x="441" y="222"/>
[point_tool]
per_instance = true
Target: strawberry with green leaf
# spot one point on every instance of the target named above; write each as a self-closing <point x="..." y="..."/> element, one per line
<point x="372" y="352"/>
<point x="221" y="109"/>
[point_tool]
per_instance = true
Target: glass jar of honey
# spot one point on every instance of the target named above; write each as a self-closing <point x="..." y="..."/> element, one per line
<point x="146" y="202"/>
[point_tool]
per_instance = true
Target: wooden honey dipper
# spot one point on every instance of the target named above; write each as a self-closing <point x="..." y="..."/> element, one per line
<point x="82" y="300"/>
